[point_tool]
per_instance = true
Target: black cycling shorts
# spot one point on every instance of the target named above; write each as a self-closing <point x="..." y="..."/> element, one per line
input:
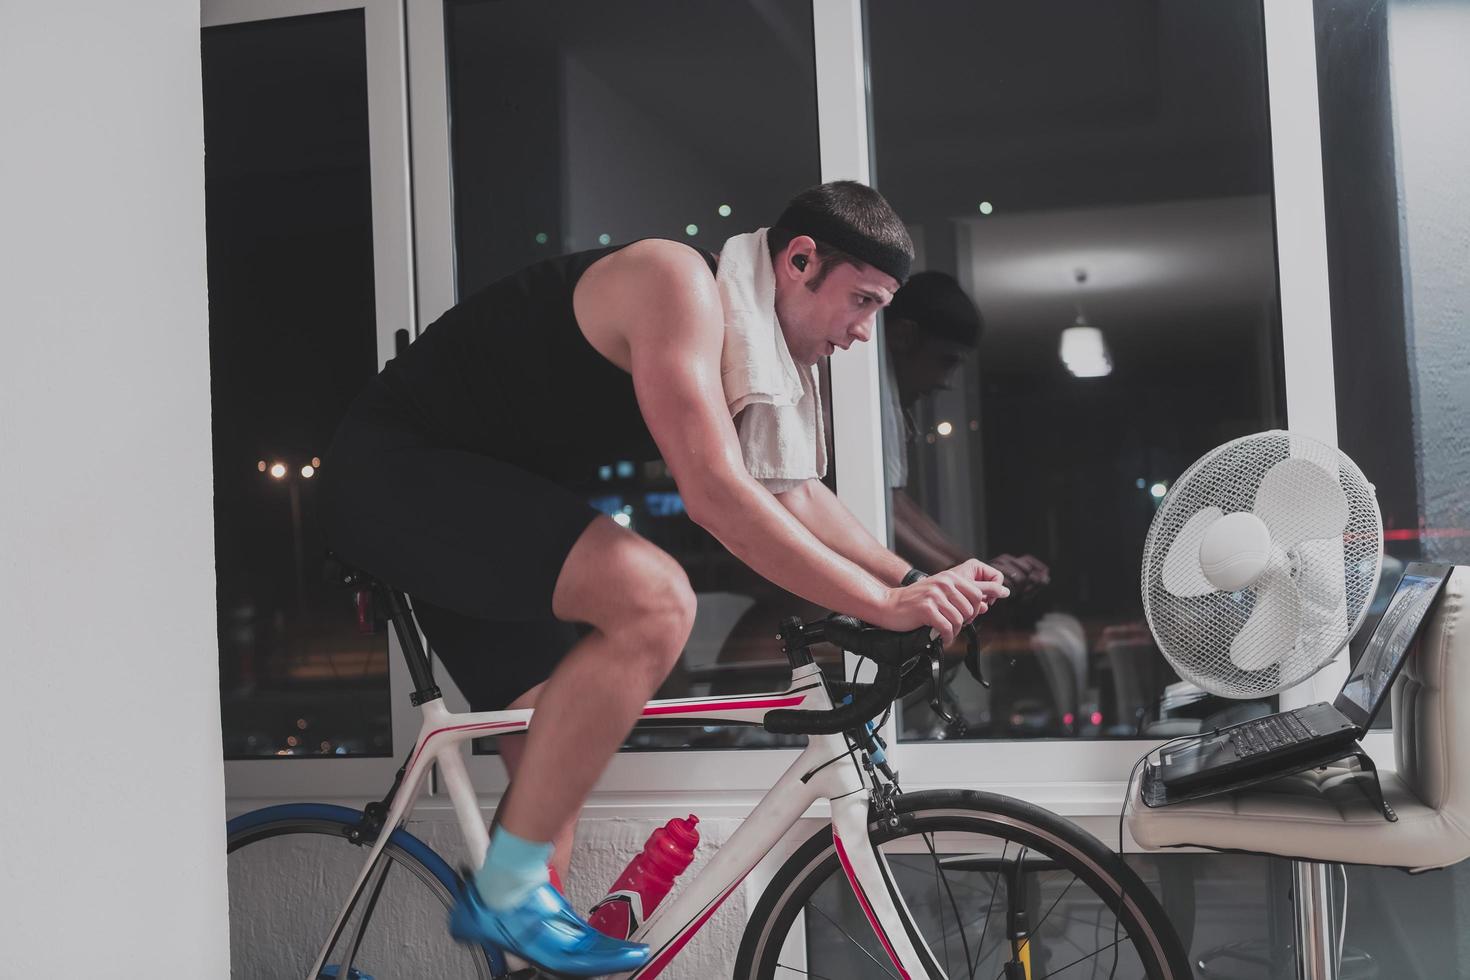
<point x="477" y="543"/>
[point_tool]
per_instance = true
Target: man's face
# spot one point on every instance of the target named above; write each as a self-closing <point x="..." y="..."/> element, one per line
<point x="839" y="312"/>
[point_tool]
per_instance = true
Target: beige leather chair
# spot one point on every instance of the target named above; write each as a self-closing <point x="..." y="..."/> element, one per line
<point x="1324" y="815"/>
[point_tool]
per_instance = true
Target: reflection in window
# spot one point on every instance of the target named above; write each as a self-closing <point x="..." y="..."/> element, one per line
<point x="1103" y="196"/>
<point x="291" y="332"/>
<point x="579" y="125"/>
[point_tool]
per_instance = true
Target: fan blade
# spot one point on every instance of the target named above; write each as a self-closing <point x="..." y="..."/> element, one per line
<point x="1299" y="501"/>
<point x="1271" y="632"/>
<point x="1319" y="579"/>
<point x="1182" y="575"/>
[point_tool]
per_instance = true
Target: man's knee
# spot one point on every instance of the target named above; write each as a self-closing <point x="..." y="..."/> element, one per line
<point x="661" y="610"/>
<point x="654" y="612"/>
<point x="630" y="590"/>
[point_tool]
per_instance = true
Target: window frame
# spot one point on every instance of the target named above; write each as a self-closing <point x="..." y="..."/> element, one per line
<point x="332" y="778"/>
<point x="1079" y="778"/>
<point x="1088" y="778"/>
<point x="735" y="776"/>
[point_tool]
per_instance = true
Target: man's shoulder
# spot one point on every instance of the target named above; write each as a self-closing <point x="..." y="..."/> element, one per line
<point x="657" y="278"/>
<point x="665" y="259"/>
<point x="652" y="293"/>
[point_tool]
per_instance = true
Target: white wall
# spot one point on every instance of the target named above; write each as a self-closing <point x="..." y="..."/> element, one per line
<point x="111" y="813"/>
<point x="409" y="934"/>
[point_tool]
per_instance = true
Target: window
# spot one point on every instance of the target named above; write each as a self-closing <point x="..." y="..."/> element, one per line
<point x="292" y="338"/>
<point x="1392" y="172"/>
<point x="581" y="125"/>
<point x="1115" y="177"/>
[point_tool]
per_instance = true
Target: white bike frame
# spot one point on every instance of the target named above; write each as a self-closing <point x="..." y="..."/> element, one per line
<point x="828" y="768"/>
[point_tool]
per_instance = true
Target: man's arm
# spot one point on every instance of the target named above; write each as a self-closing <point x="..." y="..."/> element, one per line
<point x="675" y="331"/>
<point x="828" y="518"/>
<point x="674" y="346"/>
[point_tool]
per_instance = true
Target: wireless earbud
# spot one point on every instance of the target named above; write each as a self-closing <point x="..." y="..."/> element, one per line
<point x="799" y="261"/>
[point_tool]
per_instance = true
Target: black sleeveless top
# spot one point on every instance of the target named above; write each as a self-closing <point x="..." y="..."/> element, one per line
<point x="508" y="372"/>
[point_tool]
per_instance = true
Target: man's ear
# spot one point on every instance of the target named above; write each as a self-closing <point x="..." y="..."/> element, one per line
<point x="798" y="259"/>
<point x="903" y="335"/>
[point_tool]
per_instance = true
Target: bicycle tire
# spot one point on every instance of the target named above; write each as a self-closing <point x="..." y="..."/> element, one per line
<point x="430" y="872"/>
<point x="951" y="812"/>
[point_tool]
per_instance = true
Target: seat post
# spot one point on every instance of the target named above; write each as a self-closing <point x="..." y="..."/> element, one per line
<point x="413" y="649"/>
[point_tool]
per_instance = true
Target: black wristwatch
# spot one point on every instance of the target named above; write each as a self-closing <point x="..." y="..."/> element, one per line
<point x="912" y="576"/>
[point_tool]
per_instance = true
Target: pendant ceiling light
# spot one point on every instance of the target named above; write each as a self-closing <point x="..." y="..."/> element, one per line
<point x="1084" y="350"/>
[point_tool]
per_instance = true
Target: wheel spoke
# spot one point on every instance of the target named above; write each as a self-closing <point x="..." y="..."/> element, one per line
<point x="1112" y="945"/>
<point x="805" y="973"/>
<point x="994" y="880"/>
<point x="838" y="926"/>
<point x="954" y="907"/>
<point x="944" y="932"/>
<point x="1037" y="928"/>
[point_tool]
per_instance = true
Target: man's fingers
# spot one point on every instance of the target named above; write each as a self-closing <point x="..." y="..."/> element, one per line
<point x="949" y="618"/>
<point x="991" y="591"/>
<point x="961" y="600"/>
<point x="975" y="570"/>
<point x="966" y="587"/>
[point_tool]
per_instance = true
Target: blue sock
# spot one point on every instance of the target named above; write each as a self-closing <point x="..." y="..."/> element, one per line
<point x="513" y="868"/>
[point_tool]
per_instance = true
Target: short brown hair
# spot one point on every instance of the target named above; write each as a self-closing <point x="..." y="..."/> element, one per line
<point x="855" y="205"/>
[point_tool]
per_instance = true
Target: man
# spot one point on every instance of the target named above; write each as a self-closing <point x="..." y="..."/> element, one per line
<point x="931" y="328"/>
<point x="444" y="483"/>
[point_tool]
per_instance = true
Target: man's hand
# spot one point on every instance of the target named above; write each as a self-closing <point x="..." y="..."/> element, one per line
<point x="945" y="601"/>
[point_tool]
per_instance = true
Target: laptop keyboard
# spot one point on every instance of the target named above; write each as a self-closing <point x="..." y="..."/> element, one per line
<point x="1278" y="731"/>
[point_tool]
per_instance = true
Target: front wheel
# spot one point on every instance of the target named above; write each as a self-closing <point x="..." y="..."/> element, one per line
<point x="994" y="888"/>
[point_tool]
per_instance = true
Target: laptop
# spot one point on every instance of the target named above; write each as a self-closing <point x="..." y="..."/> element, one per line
<point x="1288" y="741"/>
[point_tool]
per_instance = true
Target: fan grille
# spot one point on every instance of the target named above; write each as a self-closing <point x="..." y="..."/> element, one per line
<point x="1195" y="634"/>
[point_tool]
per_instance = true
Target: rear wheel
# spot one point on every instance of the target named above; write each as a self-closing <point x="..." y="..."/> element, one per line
<point x="994" y="887"/>
<point x="291" y="870"/>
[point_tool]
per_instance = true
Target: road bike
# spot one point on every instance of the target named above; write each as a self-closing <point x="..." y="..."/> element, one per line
<point x="933" y="884"/>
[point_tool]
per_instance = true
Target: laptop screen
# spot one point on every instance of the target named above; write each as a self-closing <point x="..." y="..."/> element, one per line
<point x="1369" y="683"/>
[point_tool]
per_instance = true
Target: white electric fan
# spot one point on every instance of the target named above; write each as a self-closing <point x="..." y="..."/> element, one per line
<point x="1261" y="563"/>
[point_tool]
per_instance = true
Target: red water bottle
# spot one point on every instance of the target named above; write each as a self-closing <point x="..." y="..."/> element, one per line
<point x="646" y="879"/>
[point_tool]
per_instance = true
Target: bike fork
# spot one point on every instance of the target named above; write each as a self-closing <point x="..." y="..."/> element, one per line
<point x="877" y="894"/>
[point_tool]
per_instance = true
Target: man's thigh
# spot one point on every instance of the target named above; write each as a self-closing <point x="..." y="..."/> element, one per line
<point x="494" y="662"/>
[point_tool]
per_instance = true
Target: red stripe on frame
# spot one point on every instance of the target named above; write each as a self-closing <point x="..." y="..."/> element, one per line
<point x="679" y="709"/>
<point x="459" y="728"/>
<point x="654" y="968"/>
<point x="670" y="709"/>
<point x="857" y="890"/>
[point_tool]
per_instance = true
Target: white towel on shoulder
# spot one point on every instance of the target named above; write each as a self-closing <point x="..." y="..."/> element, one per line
<point x="776" y="403"/>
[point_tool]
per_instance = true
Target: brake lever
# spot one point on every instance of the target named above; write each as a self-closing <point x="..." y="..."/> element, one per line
<point x="936" y="692"/>
<point x="972" y="653"/>
<point x="937" y="703"/>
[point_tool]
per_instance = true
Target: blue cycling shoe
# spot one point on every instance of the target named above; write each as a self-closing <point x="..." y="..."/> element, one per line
<point x="544" y="930"/>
